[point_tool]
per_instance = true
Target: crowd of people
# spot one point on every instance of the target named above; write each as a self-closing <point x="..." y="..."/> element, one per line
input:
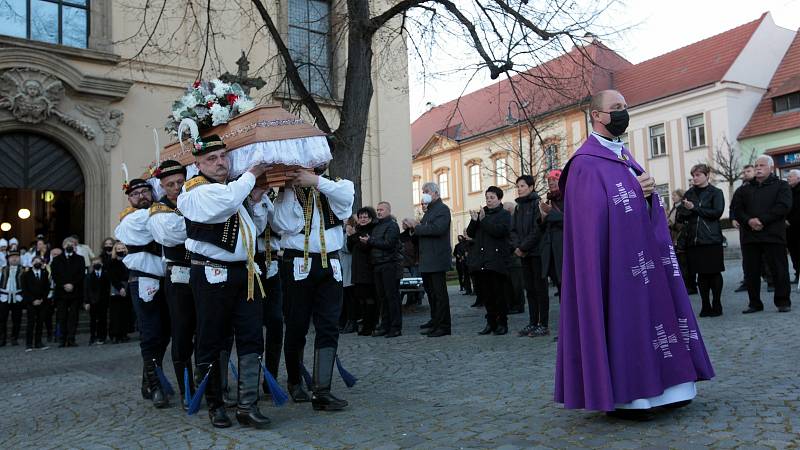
<point x="57" y="282"/>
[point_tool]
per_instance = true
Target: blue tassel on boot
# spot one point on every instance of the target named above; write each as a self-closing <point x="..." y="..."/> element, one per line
<point x="162" y="379"/>
<point x="186" y="394"/>
<point x="197" y="398"/>
<point x="233" y="369"/>
<point x="347" y="377"/>
<point x="306" y="377"/>
<point x="279" y="396"/>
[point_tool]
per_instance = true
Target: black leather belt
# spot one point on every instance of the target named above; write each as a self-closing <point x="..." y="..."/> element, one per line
<point x="202" y="260"/>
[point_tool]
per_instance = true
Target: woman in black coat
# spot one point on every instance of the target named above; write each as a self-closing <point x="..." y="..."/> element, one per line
<point x="700" y="210"/>
<point x="362" y="273"/>
<point x="490" y="257"/>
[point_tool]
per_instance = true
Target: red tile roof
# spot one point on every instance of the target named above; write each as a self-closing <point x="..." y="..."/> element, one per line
<point x="786" y="80"/>
<point x="702" y="63"/>
<point x="570" y="78"/>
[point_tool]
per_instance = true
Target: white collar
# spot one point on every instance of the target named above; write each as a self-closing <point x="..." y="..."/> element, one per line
<point x="614" y="145"/>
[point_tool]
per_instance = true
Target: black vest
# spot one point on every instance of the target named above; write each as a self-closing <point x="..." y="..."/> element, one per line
<point x="329" y="219"/>
<point x="223" y="235"/>
<point x="154" y="248"/>
<point x="178" y="253"/>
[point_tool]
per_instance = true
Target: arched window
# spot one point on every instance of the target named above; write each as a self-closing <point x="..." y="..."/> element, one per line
<point x="443" y="179"/>
<point x="475" y="177"/>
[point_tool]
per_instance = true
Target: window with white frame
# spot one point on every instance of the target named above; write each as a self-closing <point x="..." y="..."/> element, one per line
<point x="697" y="130"/>
<point x="551" y="156"/>
<point x="475" y="178"/>
<point x="309" y="44"/>
<point x="658" y="141"/>
<point x="64" y="22"/>
<point x="444" y="185"/>
<point x="500" y="171"/>
<point x="663" y="193"/>
<point x="415" y="197"/>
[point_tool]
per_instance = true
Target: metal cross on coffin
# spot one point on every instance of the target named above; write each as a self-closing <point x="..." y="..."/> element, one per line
<point x="241" y="78"/>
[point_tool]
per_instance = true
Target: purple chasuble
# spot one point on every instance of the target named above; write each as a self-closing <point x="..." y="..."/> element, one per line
<point x="626" y="329"/>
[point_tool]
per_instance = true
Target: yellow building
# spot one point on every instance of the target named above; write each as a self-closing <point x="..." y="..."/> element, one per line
<point x="77" y="98"/>
<point x="491" y="136"/>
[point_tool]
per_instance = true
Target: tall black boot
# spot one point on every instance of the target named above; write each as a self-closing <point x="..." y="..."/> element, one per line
<point x="159" y="398"/>
<point x="227" y="393"/>
<point x="180" y="368"/>
<point x="146" y="394"/>
<point x="247" y="412"/>
<point x="294" y="360"/>
<point x="216" y="407"/>
<point x="321" y="398"/>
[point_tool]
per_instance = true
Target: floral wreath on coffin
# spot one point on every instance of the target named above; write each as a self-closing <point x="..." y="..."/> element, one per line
<point x="208" y="104"/>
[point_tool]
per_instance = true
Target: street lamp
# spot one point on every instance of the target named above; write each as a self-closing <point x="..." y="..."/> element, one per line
<point x="5" y="226"/>
<point x="24" y="213"/>
<point x="510" y="119"/>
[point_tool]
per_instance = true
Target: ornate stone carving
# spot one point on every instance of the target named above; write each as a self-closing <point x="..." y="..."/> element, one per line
<point x="109" y="121"/>
<point x="32" y="97"/>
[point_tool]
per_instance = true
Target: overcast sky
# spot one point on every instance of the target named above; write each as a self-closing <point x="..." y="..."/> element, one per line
<point x="662" y="26"/>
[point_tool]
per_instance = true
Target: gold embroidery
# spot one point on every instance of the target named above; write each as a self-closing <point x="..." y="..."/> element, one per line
<point x="249" y="245"/>
<point x="126" y="211"/>
<point x="194" y="182"/>
<point x="160" y="208"/>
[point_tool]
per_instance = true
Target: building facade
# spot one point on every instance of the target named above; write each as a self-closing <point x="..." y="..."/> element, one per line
<point x="82" y="87"/>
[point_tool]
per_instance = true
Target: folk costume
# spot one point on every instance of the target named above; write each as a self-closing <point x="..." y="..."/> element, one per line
<point x="222" y="226"/>
<point x="309" y="221"/>
<point x="145" y="283"/>
<point x="11" y="299"/>
<point x="628" y="338"/>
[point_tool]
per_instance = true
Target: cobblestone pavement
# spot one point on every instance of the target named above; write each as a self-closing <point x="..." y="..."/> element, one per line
<point x="462" y="391"/>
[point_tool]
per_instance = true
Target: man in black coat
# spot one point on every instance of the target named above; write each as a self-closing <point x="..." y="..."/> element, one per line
<point x="761" y="209"/>
<point x="68" y="270"/>
<point x="526" y="237"/>
<point x="433" y="232"/>
<point x="35" y="289"/>
<point x="793" y="220"/>
<point x="384" y="245"/>
<point x="460" y="254"/>
<point x="96" y="299"/>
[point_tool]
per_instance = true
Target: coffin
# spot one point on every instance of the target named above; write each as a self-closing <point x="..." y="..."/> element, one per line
<point x="266" y="134"/>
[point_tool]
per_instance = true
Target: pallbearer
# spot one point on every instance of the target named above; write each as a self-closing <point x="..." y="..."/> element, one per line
<point x="145" y="284"/>
<point x="308" y="215"/>
<point x="223" y="221"/>
<point x="169" y="229"/>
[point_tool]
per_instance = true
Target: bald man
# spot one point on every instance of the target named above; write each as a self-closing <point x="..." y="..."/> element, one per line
<point x="761" y="208"/>
<point x="628" y="339"/>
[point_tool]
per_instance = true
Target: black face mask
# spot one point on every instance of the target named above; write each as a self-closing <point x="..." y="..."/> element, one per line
<point x="68" y="249"/>
<point x="108" y="249"/>
<point x="97" y="266"/>
<point x="37" y="266"/>
<point x="121" y="254"/>
<point x="619" y="122"/>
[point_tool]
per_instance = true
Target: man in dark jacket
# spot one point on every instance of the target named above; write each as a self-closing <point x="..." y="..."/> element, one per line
<point x="96" y="299"/>
<point x="433" y="232"/>
<point x="761" y="209"/>
<point x="460" y="254"/>
<point x="35" y="289"/>
<point x="361" y="271"/>
<point x="526" y="238"/>
<point x="384" y="244"/>
<point x="68" y="271"/>
<point x="793" y="220"/>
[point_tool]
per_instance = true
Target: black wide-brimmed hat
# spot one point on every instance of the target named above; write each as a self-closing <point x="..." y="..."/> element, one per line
<point x="207" y="144"/>
<point x="134" y="184"/>
<point x="169" y="167"/>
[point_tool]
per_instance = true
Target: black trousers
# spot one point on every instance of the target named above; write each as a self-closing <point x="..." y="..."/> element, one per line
<point x="514" y="286"/>
<point x="435" y="284"/>
<point x="493" y="285"/>
<point x="273" y="322"/>
<point x="318" y="297"/>
<point x="463" y="274"/>
<point x="152" y="320"/>
<point x="387" y="288"/>
<point x="222" y="310"/>
<point x="182" y="319"/>
<point x="67" y="310"/>
<point x="774" y="256"/>
<point x="118" y="316"/>
<point x="33" y="330"/>
<point x="365" y="297"/>
<point x="98" y="321"/>
<point x="49" y="309"/>
<point x="15" y="310"/>
<point x="536" y="291"/>
<point x="793" y="245"/>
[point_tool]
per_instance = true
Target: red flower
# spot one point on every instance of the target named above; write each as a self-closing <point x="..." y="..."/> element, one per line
<point x="196" y="84"/>
<point x="124" y="186"/>
<point x="231" y="98"/>
<point x="210" y="103"/>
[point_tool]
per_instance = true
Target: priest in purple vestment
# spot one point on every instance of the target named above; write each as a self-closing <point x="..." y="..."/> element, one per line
<point x="628" y="340"/>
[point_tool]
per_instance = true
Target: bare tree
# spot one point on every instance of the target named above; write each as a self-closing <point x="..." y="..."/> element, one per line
<point x="727" y="163"/>
<point x="505" y="37"/>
